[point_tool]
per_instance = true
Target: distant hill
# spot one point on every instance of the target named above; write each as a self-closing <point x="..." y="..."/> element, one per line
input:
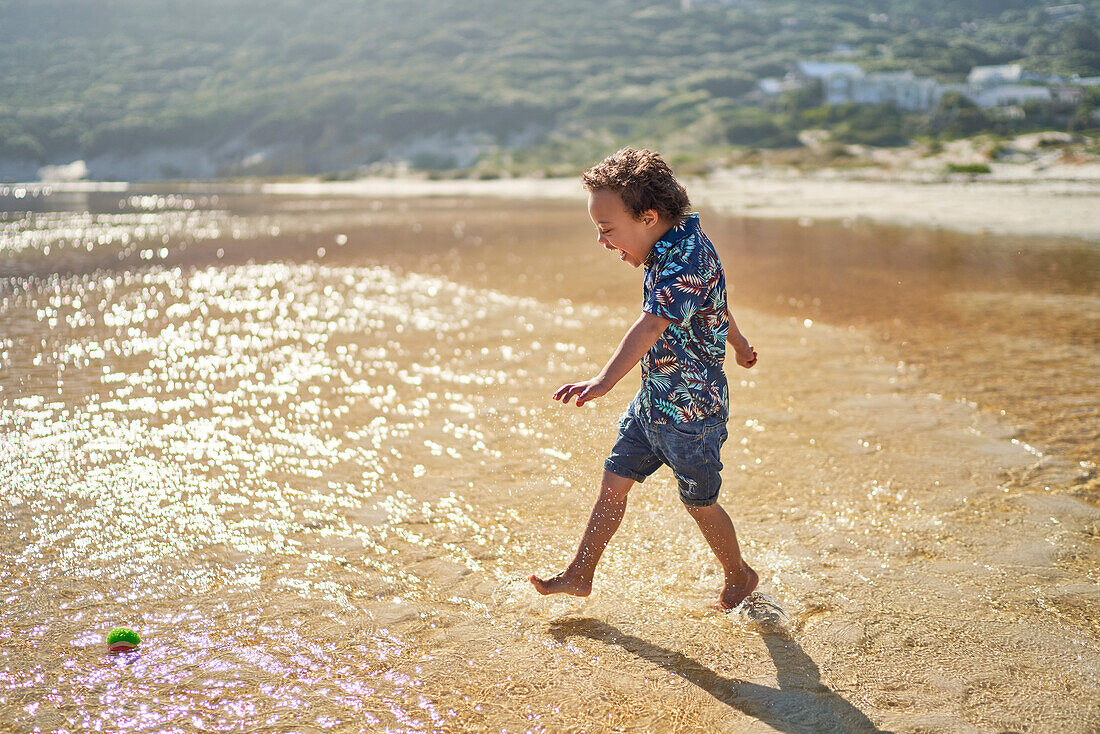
<point x="147" y="89"/>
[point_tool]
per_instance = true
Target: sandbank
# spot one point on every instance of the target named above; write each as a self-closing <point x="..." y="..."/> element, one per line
<point x="1026" y="203"/>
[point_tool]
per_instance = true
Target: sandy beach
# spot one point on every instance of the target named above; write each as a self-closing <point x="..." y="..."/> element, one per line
<point x="1063" y="202"/>
<point x="1039" y="207"/>
<point x="305" y="446"/>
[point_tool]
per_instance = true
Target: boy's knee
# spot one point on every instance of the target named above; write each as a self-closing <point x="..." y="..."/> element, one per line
<point x="616" y="494"/>
<point x="616" y="488"/>
<point x="697" y="510"/>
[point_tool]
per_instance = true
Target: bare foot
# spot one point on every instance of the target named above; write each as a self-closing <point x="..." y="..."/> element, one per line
<point x="563" y="583"/>
<point x="737" y="590"/>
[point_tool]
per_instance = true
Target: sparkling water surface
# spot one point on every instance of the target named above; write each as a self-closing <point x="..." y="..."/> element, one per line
<point x="305" y="447"/>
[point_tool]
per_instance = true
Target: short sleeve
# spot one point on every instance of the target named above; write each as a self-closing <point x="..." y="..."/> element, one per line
<point x="679" y="290"/>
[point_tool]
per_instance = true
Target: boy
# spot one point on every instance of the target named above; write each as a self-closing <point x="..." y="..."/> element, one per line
<point x="679" y="415"/>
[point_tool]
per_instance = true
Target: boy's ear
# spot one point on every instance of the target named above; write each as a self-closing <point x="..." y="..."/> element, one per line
<point x="650" y="217"/>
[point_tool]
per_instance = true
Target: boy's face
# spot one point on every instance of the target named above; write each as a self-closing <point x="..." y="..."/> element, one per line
<point x="620" y="231"/>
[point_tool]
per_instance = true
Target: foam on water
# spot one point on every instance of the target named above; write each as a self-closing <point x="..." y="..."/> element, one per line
<point x="765" y="612"/>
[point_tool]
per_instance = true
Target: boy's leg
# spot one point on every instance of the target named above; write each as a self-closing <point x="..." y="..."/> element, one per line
<point x="576" y="579"/>
<point x="718" y="530"/>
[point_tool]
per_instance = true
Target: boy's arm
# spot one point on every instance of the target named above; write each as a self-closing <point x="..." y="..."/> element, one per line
<point x="638" y="340"/>
<point x="746" y="355"/>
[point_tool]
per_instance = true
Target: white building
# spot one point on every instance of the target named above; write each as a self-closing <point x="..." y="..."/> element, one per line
<point x="1010" y="94"/>
<point x="770" y="85"/>
<point x="686" y="5"/>
<point x="1068" y="95"/>
<point x="1004" y="86"/>
<point x="825" y="69"/>
<point x="990" y="75"/>
<point x="1063" y="13"/>
<point x="902" y="89"/>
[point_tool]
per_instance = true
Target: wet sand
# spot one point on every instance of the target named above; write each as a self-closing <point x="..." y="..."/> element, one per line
<point x="1037" y="207"/>
<point x="306" y="447"/>
<point x="1029" y="204"/>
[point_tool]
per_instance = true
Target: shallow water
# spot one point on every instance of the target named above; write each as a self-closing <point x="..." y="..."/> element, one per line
<point x="306" y="448"/>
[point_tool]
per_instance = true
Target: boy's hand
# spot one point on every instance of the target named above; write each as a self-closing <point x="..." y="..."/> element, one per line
<point x="746" y="356"/>
<point x="642" y="335"/>
<point x="585" y="391"/>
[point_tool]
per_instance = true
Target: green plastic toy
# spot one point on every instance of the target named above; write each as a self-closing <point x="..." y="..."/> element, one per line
<point x="122" y="639"/>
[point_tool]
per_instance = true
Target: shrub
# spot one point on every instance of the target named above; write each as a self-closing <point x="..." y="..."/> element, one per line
<point x="757" y="128"/>
<point x="956" y="116"/>
<point x="971" y="168"/>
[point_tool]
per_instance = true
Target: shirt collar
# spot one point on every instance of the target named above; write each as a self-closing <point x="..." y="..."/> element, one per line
<point x="681" y="231"/>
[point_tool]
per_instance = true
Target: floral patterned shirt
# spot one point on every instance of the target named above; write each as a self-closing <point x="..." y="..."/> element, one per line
<point x="682" y="375"/>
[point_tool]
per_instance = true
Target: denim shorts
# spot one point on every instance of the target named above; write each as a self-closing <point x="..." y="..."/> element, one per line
<point x="692" y="450"/>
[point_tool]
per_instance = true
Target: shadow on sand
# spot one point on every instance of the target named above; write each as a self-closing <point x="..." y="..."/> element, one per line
<point x="801" y="705"/>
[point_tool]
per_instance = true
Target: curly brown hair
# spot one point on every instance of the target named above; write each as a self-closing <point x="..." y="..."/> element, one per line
<point x="643" y="181"/>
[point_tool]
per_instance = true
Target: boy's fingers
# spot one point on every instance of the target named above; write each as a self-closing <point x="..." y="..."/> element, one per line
<point x="590" y="392"/>
<point x="567" y="392"/>
<point x="561" y="391"/>
<point x="581" y="390"/>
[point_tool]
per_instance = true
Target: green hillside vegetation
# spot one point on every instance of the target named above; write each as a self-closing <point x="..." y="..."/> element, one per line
<point x="325" y="86"/>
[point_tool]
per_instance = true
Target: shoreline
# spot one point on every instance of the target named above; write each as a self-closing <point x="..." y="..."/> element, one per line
<point x="1026" y="204"/>
<point x="1031" y="206"/>
<point x="1038" y="207"/>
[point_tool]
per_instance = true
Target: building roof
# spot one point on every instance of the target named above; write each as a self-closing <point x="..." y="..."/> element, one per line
<point x="1001" y="73"/>
<point x="822" y="69"/>
<point x="893" y="76"/>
